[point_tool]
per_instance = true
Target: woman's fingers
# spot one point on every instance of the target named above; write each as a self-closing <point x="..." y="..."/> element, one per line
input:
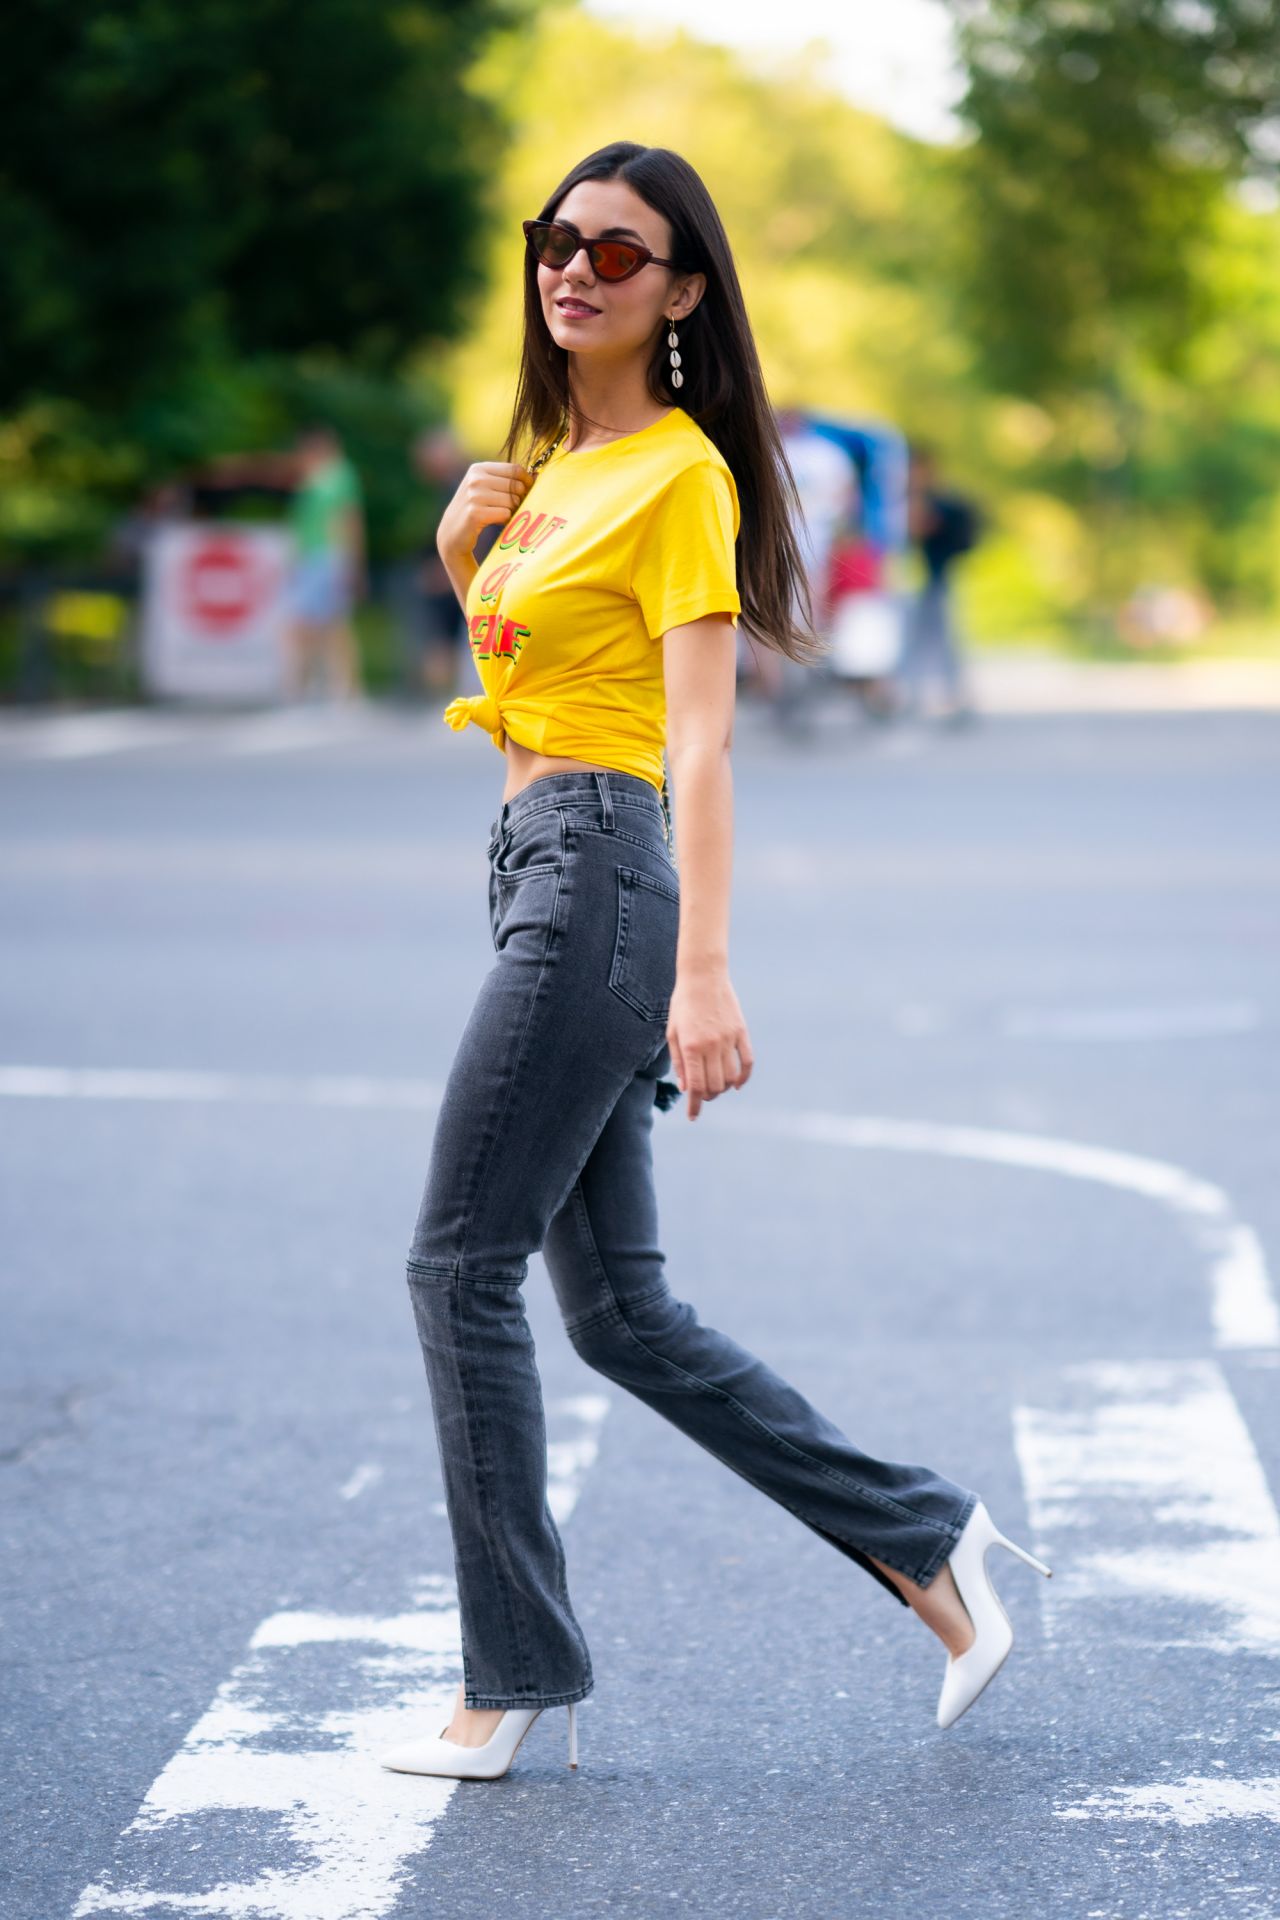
<point x="489" y="490"/>
<point x="696" y="1078"/>
<point x="504" y="477"/>
<point x="495" y="488"/>
<point x="704" y="1069"/>
<point x="500" y="498"/>
<point x="500" y="473"/>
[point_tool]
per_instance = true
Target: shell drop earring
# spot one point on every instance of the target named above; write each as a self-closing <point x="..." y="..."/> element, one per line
<point x="673" y="341"/>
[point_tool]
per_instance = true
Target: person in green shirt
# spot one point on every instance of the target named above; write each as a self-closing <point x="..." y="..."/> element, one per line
<point x="326" y="517"/>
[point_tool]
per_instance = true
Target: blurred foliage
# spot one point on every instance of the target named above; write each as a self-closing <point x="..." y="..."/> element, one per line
<point x="1105" y="377"/>
<point x="836" y="221"/>
<point x="256" y="213"/>
<point x="1105" y="133"/>
<point x="211" y="178"/>
<point x="219" y="216"/>
<point x="1117" y="260"/>
<point x="70" y="472"/>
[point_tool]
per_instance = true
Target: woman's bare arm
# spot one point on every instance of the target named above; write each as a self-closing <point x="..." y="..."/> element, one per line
<point x="710" y="1047"/>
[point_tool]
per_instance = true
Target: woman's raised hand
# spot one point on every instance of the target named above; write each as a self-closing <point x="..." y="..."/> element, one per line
<point x="489" y="490"/>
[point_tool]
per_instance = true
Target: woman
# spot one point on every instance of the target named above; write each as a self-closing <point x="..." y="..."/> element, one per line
<point x="602" y="623"/>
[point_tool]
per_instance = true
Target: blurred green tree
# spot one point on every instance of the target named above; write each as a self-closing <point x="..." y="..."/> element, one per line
<point x="1105" y="133"/>
<point x="1097" y="254"/>
<point x="219" y="218"/>
<point x="224" y="178"/>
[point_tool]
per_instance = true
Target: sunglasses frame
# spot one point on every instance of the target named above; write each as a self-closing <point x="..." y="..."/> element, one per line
<point x="645" y="258"/>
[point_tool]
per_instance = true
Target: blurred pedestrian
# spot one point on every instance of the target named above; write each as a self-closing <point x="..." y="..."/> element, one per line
<point x="326" y="516"/>
<point x="942" y="525"/>
<point x="865" y="622"/>
<point x="827" y="484"/>
<point x="653" y="512"/>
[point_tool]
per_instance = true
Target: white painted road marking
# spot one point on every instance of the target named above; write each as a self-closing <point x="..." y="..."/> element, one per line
<point x="289" y="1749"/>
<point x="77" y="736"/>
<point x="286" y="1757"/>
<point x="288" y="729"/>
<point x="919" y="1021"/>
<point x="364" y="1476"/>
<point x="572" y="1453"/>
<point x="1167" y="1433"/>
<point x="145" y="1083"/>
<point x="1244" y="1309"/>
<point x="1192" y="1802"/>
<point x="1132" y="1023"/>
<point x="80" y="736"/>
<point x="1144" y="1483"/>
<point x="1202" y="1021"/>
<point x="1147" y="1496"/>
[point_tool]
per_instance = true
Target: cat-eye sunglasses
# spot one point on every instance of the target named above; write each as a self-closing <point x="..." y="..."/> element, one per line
<point x="555" y="245"/>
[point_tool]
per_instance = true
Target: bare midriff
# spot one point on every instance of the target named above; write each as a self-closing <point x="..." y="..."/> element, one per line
<point x="524" y="765"/>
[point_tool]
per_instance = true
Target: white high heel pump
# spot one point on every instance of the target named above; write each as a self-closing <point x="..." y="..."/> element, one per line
<point x="968" y="1673"/>
<point x="488" y="1762"/>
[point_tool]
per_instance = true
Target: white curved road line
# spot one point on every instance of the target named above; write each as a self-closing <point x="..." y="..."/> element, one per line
<point x="359" y="1842"/>
<point x="1243" y="1306"/>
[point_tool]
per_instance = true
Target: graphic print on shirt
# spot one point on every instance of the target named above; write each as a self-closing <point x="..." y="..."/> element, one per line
<point x="526" y="532"/>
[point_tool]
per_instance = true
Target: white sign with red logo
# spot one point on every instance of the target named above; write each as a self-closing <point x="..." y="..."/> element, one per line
<point x="215" y="612"/>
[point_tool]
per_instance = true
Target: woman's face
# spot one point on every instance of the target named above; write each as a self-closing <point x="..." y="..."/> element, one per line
<point x="613" y="317"/>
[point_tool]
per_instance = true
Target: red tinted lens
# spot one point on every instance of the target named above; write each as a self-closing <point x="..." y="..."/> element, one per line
<point x="614" y="259"/>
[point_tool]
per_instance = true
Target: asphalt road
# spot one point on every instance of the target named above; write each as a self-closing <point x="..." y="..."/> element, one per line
<point x="998" y="1198"/>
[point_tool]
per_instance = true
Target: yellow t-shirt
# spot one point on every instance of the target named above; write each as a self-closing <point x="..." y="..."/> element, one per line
<point x="608" y="549"/>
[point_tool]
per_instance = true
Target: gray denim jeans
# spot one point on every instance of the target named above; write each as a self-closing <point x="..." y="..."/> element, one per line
<point x="543" y="1141"/>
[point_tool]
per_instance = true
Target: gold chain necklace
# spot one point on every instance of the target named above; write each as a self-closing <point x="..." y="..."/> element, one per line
<point x="542" y="459"/>
<point x="537" y="465"/>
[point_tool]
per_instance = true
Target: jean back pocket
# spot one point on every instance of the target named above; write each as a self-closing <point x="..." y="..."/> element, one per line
<point x="644" y="953"/>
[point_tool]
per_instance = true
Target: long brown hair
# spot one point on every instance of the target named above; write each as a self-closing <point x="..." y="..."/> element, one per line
<point x="723" y="391"/>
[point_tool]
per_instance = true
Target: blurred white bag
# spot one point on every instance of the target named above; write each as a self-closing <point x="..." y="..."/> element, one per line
<point x="866" y="635"/>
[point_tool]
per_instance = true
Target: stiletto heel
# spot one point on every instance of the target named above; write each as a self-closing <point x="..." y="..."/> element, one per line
<point x="968" y="1673"/>
<point x="1022" y="1554"/>
<point x="487" y="1762"/>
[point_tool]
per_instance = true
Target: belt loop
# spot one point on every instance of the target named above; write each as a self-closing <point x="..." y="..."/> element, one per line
<point x="606" y="801"/>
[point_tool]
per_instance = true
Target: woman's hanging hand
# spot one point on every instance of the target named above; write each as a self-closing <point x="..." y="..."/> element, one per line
<point x="708" y="1038"/>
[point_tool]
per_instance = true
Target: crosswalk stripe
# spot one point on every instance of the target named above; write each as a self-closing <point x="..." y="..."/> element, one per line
<point x="1147" y="1497"/>
<point x="1192" y="1801"/>
<point x="289" y="1748"/>
<point x="1142" y="1474"/>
